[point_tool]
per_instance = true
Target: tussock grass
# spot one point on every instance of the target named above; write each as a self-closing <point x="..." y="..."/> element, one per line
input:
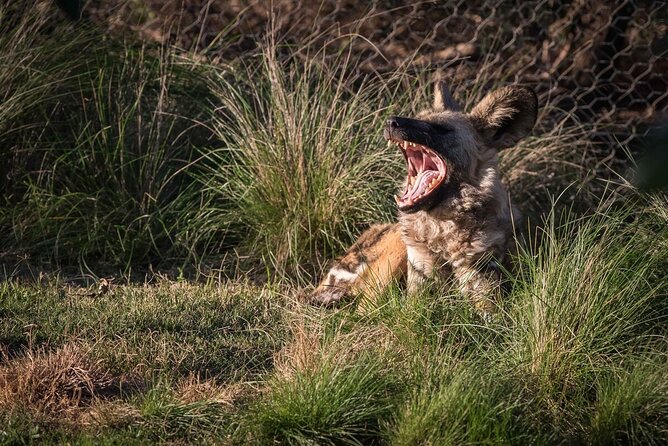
<point x="54" y="385"/>
<point x="333" y="403"/>
<point x="302" y="162"/>
<point x="463" y="404"/>
<point x="557" y="161"/>
<point x="631" y="405"/>
<point x="576" y="356"/>
<point x="601" y="300"/>
<point x="589" y="299"/>
<point x="164" y="417"/>
<point x="99" y="145"/>
<point x="583" y="314"/>
<point x="127" y="155"/>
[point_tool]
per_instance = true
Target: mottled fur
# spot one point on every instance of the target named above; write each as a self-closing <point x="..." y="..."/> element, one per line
<point x="466" y="227"/>
<point x="378" y="256"/>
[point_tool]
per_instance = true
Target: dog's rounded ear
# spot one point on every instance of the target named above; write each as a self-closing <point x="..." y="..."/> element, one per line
<point x="443" y="100"/>
<point x="506" y="115"/>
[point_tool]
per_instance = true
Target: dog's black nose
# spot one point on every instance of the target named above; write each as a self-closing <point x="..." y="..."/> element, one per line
<point x="393" y="123"/>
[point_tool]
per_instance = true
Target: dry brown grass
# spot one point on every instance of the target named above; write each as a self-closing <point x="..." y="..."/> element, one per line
<point x="316" y="337"/>
<point x="57" y="385"/>
<point x="193" y="389"/>
<point x="302" y="353"/>
<point x="109" y="413"/>
<point x="559" y="160"/>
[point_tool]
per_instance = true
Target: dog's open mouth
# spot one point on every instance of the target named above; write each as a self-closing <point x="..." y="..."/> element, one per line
<point x="426" y="172"/>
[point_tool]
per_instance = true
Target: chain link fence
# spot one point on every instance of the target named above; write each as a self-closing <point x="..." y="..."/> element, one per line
<point x="599" y="62"/>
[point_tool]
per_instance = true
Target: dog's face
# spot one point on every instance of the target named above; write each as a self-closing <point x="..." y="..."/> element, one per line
<point x="444" y="147"/>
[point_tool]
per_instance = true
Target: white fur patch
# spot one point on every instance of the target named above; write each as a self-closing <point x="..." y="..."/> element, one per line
<point x="342" y="275"/>
<point x="420" y="258"/>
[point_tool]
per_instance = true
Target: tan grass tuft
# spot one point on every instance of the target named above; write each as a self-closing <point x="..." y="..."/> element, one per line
<point x="303" y="352"/>
<point x="110" y="413"/>
<point x="53" y="384"/>
<point x="310" y="344"/>
<point x="193" y="389"/>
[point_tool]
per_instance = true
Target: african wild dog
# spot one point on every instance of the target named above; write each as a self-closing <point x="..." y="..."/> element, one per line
<point x="455" y="216"/>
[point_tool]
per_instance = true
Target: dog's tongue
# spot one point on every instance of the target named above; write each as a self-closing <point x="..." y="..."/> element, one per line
<point x="421" y="185"/>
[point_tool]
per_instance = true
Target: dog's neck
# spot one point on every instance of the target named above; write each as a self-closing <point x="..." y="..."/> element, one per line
<point x="473" y="217"/>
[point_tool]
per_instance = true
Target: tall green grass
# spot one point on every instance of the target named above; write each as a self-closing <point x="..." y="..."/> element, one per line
<point x="126" y="154"/>
<point x="100" y="135"/>
<point x="303" y="164"/>
<point x="576" y="356"/>
<point x="334" y="403"/>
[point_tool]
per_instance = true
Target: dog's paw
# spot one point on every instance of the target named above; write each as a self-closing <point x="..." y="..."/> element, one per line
<point x="327" y="296"/>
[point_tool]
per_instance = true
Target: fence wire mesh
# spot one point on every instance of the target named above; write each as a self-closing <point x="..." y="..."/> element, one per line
<point x="604" y="63"/>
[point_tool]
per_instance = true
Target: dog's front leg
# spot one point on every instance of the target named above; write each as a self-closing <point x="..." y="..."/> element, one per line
<point x="368" y="267"/>
<point x="482" y="284"/>
<point x="420" y="265"/>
